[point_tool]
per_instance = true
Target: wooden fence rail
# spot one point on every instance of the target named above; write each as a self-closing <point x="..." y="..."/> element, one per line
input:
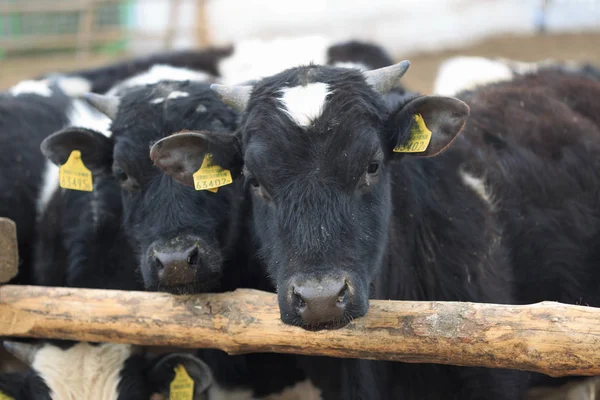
<point x="551" y="338"/>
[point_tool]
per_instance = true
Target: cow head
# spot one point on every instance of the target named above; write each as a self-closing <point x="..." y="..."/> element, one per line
<point x="178" y="231"/>
<point x="317" y="145"/>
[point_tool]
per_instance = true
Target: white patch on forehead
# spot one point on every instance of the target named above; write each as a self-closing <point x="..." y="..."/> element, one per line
<point x="478" y="186"/>
<point x="31" y="87"/>
<point x="351" y="65"/>
<point x="201" y="108"/>
<point x="159" y="73"/>
<point x="83" y="371"/>
<point x="304" y="104"/>
<point x="176" y="94"/>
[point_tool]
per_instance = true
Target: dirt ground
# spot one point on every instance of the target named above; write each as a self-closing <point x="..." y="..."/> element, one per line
<point x="578" y="47"/>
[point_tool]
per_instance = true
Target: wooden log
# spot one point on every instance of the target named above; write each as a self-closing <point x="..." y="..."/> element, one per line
<point x="551" y="338"/>
<point x="9" y="251"/>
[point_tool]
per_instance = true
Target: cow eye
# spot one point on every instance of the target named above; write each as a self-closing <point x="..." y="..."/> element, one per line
<point x="253" y="181"/>
<point x="120" y="175"/>
<point x="373" y="168"/>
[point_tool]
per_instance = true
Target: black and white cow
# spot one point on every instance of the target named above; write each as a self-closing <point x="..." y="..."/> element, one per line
<point x="348" y="203"/>
<point x="29" y="112"/>
<point x="101" y="372"/>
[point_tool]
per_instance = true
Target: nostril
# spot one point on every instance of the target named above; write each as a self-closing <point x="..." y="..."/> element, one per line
<point x="341" y="297"/>
<point x="298" y="299"/>
<point x="159" y="263"/>
<point x="193" y="257"/>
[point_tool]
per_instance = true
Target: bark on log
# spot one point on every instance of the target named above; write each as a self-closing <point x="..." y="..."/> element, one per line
<point x="9" y="252"/>
<point x="551" y="338"/>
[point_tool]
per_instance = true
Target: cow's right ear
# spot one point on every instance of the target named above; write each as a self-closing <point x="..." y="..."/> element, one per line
<point x="96" y="149"/>
<point x="180" y="375"/>
<point x="181" y="154"/>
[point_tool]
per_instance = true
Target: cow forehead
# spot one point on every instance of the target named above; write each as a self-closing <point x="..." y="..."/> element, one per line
<point x="304" y="103"/>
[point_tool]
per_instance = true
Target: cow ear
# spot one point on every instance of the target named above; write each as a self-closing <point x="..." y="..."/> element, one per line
<point x="180" y="375"/>
<point x="181" y="154"/>
<point x="96" y="149"/>
<point x="427" y="125"/>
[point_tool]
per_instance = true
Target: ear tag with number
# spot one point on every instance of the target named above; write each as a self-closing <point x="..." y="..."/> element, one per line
<point x="419" y="138"/>
<point x="74" y="175"/>
<point x="5" y="396"/>
<point x="210" y="176"/>
<point x="182" y="386"/>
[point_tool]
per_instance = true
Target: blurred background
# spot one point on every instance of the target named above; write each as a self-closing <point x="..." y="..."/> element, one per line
<point x="37" y="36"/>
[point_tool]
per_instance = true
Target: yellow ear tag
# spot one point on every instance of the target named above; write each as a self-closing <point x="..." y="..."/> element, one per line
<point x="419" y="138"/>
<point x="74" y="175"/>
<point x="5" y="397"/>
<point x="211" y="176"/>
<point x="182" y="386"/>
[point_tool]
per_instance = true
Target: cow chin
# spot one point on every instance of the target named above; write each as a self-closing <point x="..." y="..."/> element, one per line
<point x="329" y="301"/>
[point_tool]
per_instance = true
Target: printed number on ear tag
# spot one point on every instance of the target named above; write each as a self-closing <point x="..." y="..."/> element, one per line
<point x="182" y="386"/>
<point x="74" y="175"/>
<point x="419" y="138"/>
<point x="5" y="397"/>
<point x="211" y="176"/>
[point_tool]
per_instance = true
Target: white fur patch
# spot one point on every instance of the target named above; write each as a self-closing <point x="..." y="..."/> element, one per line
<point x="31" y="87"/>
<point x="176" y="94"/>
<point x="83" y="115"/>
<point x="215" y="392"/>
<point x="477" y="185"/>
<point x="49" y="186"/>
<point x="158" y="73"/>
<point x="83" y="371"/>
<point x="465" y="73"/>
<point x="304" y="390"/>
<point x="304" y="104"/>
<point x="74" y="85"/>
<point x="157" y="100"/>
<point x="258" y="58"/>
<point x="351" y="65"/>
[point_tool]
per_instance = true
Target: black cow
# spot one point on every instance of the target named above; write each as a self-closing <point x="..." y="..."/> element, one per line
<point x="349" y="204"/>
<point x="102" y="372"/>
<point x="184" y="239"/>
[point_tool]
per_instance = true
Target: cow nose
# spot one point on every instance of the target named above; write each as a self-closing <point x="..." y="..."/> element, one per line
<point x="321" y="303"/>
<point x="177" y="266"/>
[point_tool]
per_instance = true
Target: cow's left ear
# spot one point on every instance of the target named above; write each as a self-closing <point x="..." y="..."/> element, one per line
<point x="181" y="154"/>
<point x="427" y="125"/>
<point x="180" y="375"/>
<point x="96" y="149"/>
